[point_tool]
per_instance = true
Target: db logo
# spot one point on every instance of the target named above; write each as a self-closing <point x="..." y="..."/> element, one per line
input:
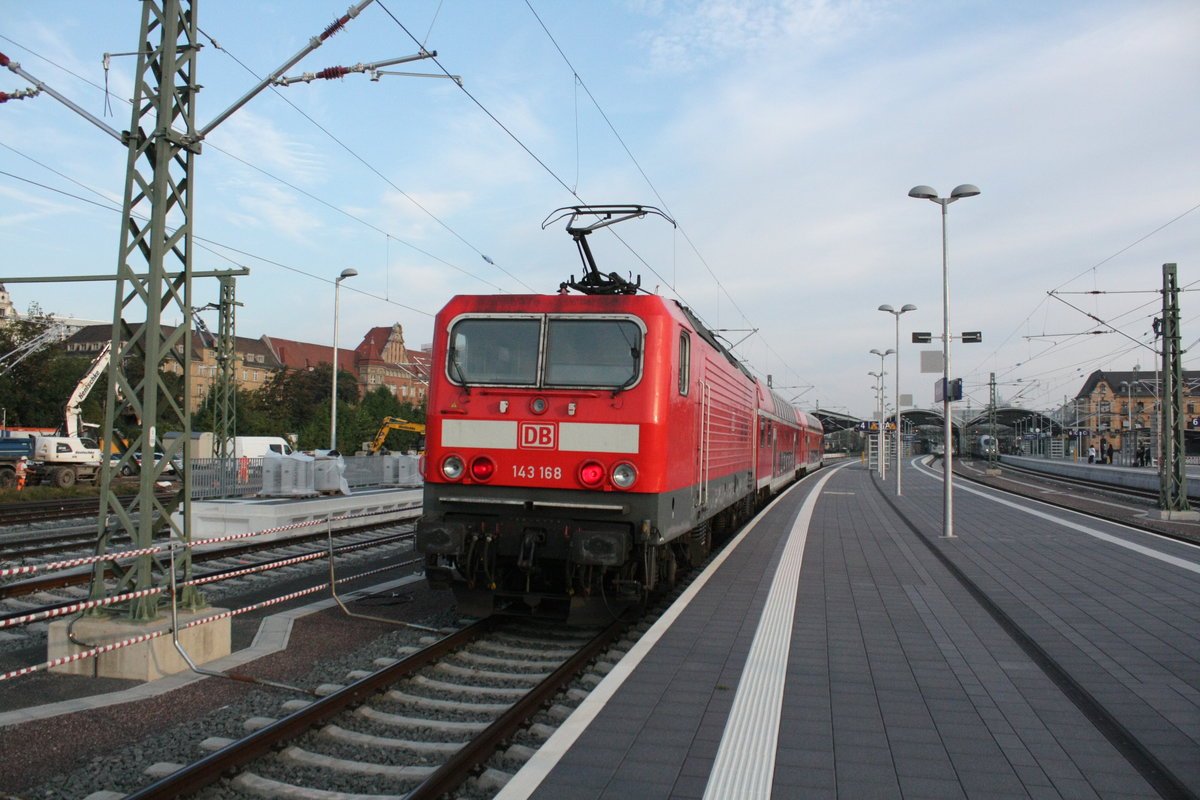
<point x="537" y="435"/>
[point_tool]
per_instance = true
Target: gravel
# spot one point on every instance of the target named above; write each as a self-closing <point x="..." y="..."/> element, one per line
<point x="72" y="756"/>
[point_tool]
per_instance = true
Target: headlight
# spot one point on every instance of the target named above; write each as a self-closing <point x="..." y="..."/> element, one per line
<point x="624" y="475"/>
<point x="453" y="467"/>
<point x="538" y="405"/>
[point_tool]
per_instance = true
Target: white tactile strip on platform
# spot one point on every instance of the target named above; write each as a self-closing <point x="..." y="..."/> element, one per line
<point x="745" y="762"/>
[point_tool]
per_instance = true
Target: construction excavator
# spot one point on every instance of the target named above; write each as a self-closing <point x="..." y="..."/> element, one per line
<point x="390" y="424"/>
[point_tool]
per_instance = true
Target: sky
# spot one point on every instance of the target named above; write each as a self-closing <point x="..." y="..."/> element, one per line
<point x="781" y="137"/>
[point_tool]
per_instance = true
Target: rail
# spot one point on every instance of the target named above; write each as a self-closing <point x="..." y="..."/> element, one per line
<point x="40" y="615"/>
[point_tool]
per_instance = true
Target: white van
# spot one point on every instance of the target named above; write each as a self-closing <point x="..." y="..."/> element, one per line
<point x="258" y="446"/>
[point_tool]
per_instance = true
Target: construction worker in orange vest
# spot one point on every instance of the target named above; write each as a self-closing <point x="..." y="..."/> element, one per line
<point x="22" y="463"/>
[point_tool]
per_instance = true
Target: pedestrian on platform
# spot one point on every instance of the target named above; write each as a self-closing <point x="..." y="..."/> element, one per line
<point x="1092" y="454"/>
<point x="1108" y="454"/>
<point x="22" y="467"/>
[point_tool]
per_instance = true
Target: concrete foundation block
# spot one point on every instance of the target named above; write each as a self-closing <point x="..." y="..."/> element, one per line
<point x="144" y="661"/>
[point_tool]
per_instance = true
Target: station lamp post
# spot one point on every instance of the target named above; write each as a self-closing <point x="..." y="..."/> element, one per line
<point x="899" y="438"/>
<point x="882" y="414"/>
<point x="337" y="285"/>
<point x="878" y="376"/>
<point x="927" y="193"/>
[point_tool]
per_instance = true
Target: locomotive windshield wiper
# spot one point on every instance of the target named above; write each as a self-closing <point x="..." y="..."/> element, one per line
<point x="455" y="367"/>
<point x="633" y="351"/>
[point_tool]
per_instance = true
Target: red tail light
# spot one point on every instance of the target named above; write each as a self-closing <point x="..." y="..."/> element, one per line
<point x="591" y="473"/>
<point x="483" y="468"/>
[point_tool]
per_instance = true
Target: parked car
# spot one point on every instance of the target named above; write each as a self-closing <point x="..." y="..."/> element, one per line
<point x="134" y="467"/>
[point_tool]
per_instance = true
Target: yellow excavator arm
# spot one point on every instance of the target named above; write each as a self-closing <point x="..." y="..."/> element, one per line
<point x="393" y="424"/>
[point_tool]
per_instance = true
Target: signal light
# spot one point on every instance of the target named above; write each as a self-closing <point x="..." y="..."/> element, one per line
<point x="591" y="473"/>
<point x="483" y="468"/>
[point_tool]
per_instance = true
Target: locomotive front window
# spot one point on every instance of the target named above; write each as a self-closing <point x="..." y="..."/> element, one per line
<point x="592" y="352"/>
<point x="494" y="351"/>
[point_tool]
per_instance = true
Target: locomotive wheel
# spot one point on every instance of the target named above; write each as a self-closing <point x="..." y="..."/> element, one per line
<point x="669" y="566"/>
<point x="652" y="568"/>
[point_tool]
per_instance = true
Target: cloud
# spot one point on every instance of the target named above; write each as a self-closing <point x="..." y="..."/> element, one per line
<point x="695" y="34"/>
<point x="258" y="140"/>
<point x="23" y="208"/>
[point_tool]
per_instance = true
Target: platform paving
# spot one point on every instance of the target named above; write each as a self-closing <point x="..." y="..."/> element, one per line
<point x="1036" y="654"/>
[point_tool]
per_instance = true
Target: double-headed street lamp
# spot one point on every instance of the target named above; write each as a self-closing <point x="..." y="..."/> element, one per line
<point x="926" y="193"/>
<point x="882" y="436"/>
<point x="337" y="285"/>
<point x="903" y="310"/>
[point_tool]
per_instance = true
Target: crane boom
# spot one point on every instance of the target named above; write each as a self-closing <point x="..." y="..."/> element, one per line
<point x="72" y="423"/>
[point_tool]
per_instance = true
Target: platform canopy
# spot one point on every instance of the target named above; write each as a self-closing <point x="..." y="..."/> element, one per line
<point x="1009" y="418"/>
<point x="923" y="418"/>
<point x="834" y="422"/>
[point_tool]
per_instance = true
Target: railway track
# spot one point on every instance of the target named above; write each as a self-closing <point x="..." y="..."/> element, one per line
<point x="420" y="726"/>
<point x="277" y="561"/>
<point x="1100" y="500"/>
<point x="31" y="512"/>
<point x="76" y="577"/>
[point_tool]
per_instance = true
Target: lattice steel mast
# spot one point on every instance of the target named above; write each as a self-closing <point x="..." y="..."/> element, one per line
<point x="1173" y="467"/>
<point x="158" y="183"/>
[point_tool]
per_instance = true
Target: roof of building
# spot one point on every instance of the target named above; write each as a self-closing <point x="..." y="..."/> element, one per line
<point x="1139" y="382"/>
<point x="290" y="353"/>
<point x="305" y="355"/>
<point x="385" y="344"/>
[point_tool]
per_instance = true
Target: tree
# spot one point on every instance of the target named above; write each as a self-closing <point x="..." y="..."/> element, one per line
<point x="34" y="392"/>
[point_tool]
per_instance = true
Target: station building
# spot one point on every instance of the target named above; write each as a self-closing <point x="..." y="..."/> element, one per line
<point x="1123" y="407"/>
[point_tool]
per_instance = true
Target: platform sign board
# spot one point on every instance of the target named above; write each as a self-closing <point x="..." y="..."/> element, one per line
<point x="939" y="394"/>
<point x="931" y="361"/>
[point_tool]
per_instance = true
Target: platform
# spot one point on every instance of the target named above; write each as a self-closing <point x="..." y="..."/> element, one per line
<point x="842" y="648"/>
<point x="238" y="515"/>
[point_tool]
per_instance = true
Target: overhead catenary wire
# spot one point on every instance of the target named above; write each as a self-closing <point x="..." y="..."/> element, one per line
<point x="1093" y="292"/>
<point x="295" y="188"/>
<point x="209" y="244"/>
<point x="561" y="182"/>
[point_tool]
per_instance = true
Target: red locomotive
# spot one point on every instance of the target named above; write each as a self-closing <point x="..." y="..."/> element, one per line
<point x="581" y="446"/>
